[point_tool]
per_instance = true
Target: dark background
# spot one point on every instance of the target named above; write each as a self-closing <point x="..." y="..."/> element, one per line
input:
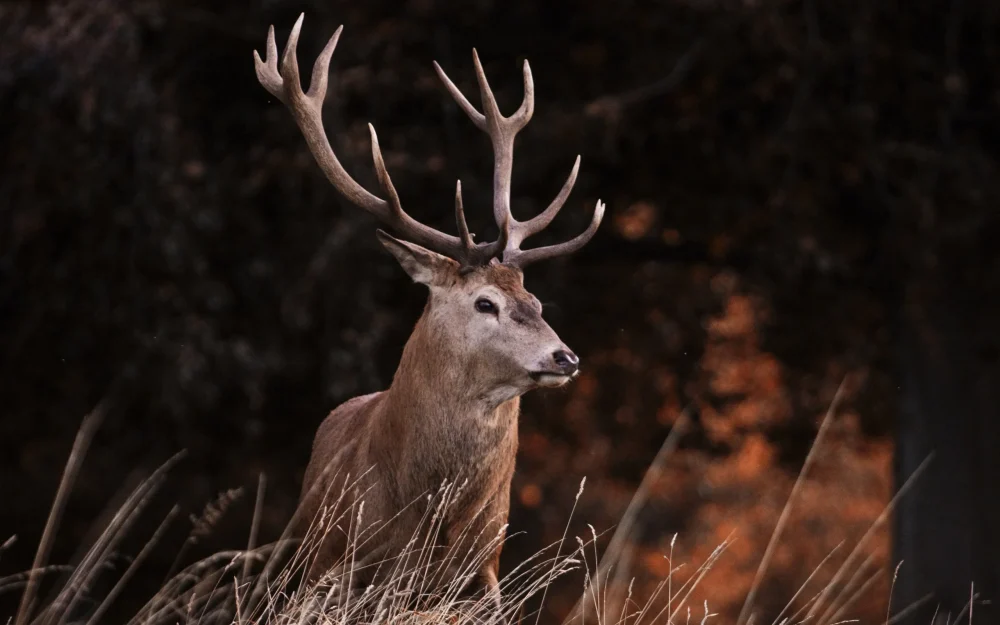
<point x="797" y="192"/>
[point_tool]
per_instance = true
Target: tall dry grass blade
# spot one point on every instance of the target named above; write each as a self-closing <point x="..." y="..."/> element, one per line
<point x="846" y="605"/>
<point x="99" y="553"/>
<point x="670" y="574"/>
<point x="572" y="511"/>
<point x="779" y="528"/>
<point x="98" y="526"/>
<point x="805" y="607"/>
<point x="910" y="609"/>
<point x="83" y="438"/>
<point x="258" y="510"/>
<point x="592" y="583"/>
<point x="866" y="537"/>
<point x="19" y="580"/>
<point x="667" y="583"/>
<point x="791" y="602"/>
<point x="702" y="572"/>
<point x="631" y="515"/>
<point x="7" y="544"/>
<point x="205" y="600"/>
<point x="857" y="577"/>
<point x="115" y="591"/>
<point x="686" y="588"/>
<point x="618" y="601"/>
<point x="251" y="544"/>
<point x="892" y="588"/>
<point x="968" y="606"/>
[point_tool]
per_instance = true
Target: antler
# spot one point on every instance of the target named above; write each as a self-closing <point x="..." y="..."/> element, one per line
<point x="502" y="131"/>
<point x="307" y="107"/>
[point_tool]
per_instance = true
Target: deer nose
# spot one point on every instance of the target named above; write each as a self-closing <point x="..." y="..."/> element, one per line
<point x="567" y="361"/>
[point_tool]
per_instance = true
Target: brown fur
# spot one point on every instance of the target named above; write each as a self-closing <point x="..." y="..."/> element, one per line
<point x="450" y="413"/>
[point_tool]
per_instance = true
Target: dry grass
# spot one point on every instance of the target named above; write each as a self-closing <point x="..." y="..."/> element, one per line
<point x="262" y="584"/>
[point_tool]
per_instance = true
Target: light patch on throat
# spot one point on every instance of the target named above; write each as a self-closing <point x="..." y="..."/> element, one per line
<point x="496" y="396"/>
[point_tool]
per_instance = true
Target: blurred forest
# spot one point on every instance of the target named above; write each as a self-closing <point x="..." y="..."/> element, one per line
<point x="799" y="192"/>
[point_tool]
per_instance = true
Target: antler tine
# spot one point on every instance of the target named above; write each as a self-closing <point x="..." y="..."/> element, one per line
<point x="477" y="118"/>
<point x="267" y="71"/>
<point x="321" y="67"/>
<point x="522" y="258"/>
<point x="384" y="180"/>
<point x="290" y="62"/>
<point x="527" y="109"/>
<point x="494" y="120"/>
<point x="463" y="249"/>
<point x="474" y="254"/>
<point x="306" y="108"/>
<point x="539" y="222"/>
<point x="463" y="226"/>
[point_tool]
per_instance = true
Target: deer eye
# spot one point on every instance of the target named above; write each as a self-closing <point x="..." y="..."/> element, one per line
<point x="484" y="305"/>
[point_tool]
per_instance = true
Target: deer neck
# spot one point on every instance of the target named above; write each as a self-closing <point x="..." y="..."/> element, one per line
<point x="437" y="379"/>
<point x="443" y="410"/>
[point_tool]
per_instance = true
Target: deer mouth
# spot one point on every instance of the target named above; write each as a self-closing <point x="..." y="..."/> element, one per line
<point x="551" y="379"/>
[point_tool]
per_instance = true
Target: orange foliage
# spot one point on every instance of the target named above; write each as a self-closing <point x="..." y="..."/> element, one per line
<point x="741" y="397"/>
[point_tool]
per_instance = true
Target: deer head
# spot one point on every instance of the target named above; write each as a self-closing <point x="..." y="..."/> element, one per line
<point x="484" y="327"/>
<point x="479" y="313"/>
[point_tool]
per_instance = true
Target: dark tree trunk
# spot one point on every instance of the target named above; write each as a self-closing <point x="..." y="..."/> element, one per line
<point x="946" y="528"/>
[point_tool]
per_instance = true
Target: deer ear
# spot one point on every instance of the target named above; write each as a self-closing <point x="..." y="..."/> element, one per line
<point x="423" y="265"/>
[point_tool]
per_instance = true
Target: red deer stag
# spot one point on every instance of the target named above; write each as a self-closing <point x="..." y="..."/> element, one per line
<point x="452" y="408"/>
